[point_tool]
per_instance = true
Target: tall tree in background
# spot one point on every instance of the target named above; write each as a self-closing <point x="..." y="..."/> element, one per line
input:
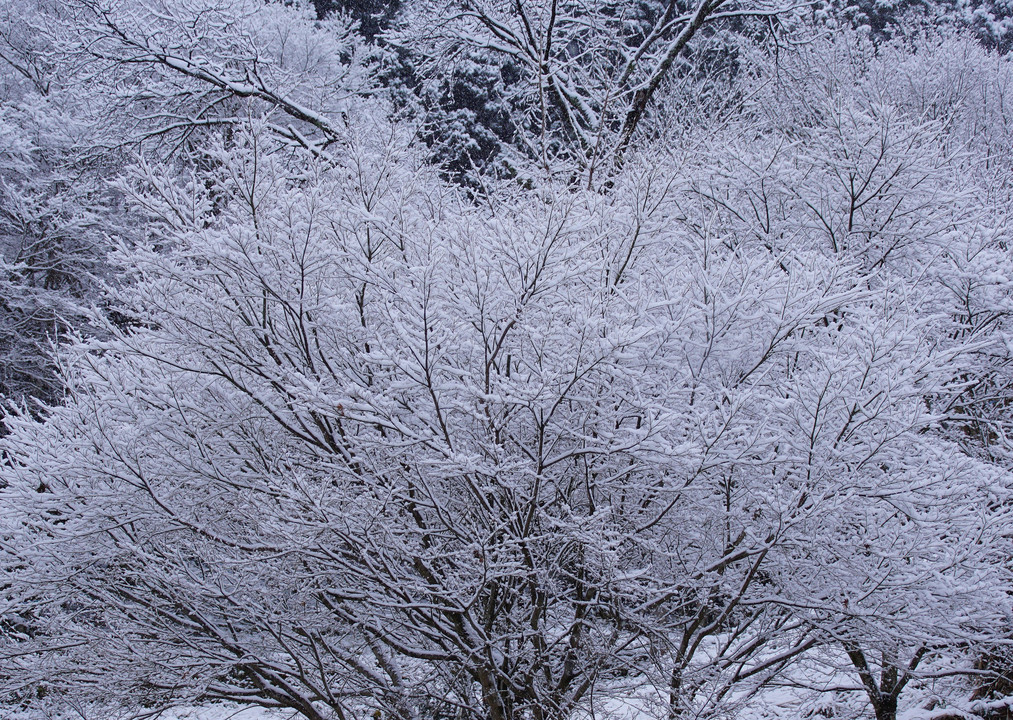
<point x="373" y="16"/>
<point x="54" y="210"/>
<point x="88" y="87"/>
<point x="990" y="21"/>
<point x="579" y="79"/>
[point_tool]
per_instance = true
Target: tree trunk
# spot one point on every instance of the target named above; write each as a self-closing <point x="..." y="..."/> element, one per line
<point x="675" y="708"/>
<point x="885" y="707"/>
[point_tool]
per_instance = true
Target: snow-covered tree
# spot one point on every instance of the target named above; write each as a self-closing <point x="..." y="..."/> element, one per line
<point x="863" y="152"/>
<point x="362" y="442"/>
<point x="990" y="21"/>
<point x="88" y="87"/>
<point x="578" y="78"/>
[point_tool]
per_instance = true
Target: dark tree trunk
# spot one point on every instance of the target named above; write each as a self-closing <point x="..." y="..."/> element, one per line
<point x="884" y="692"/>
<point x="886" y="707"/>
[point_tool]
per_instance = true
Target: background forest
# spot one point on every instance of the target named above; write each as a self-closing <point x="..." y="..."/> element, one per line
<point x="506" y="359"/>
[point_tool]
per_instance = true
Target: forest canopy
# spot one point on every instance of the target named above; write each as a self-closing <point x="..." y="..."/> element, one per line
<point x="506" y="360"/>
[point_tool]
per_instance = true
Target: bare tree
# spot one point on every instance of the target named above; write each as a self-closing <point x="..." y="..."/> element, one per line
<point x="589" y="73"/>
<point x="360" y="443"/>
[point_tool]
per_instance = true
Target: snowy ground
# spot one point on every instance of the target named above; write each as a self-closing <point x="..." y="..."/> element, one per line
<point x="216" y="711"/>
<point x="927" y="701"/>
<point x="779" y="706"/>
<point x="225" y="712"/>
